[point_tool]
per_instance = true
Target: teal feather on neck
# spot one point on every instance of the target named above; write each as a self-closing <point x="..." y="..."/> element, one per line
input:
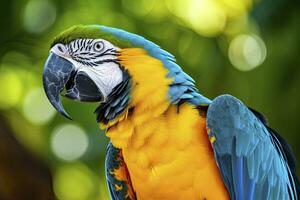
<point x="183" y="88"/>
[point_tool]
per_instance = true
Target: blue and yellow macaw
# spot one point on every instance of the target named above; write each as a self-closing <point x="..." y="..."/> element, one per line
<point x="167" y="140"/>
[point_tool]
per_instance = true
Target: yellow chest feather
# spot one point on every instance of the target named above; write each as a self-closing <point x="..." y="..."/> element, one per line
<point x="170" y="157"/>
<point x="166" y="149"/>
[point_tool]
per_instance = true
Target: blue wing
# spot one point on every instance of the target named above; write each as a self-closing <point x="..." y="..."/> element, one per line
<point x="117" y="175"/>
<point x="254" y="160"/>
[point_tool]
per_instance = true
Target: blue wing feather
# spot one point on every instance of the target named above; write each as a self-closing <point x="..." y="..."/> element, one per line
<point x="252" y="162"/>
<point x="118" y="189"/>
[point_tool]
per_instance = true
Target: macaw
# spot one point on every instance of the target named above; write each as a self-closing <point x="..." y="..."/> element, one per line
<point x="167" y="141"/>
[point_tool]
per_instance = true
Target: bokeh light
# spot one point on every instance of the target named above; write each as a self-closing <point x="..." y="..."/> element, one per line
<point x="69" y="142"/>
<point x="10" y="89"/>
<point x="206" y="17"/>
<point x="38" y="15"/>
<point x="140" y="7"/>
<point x="247" y="52"/>
<point x="209" y="17"/>
<point x="36" y="107"/>
<point x="74" y="182"/>
<point x="235" y="8"/>
<point x="15" y="58"/>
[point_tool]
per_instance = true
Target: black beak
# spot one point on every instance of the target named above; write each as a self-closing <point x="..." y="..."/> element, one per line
<point x="60" y="73"/>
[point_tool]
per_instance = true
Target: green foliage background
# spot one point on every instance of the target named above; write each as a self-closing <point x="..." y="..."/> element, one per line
<point x="199" y="40"/>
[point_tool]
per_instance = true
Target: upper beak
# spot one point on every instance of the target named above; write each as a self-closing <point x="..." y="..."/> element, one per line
<point x="60" y="73"/>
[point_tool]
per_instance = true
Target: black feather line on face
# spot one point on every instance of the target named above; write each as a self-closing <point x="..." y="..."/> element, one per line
<point x="117" y="101"/>
<point x="77" y="46"/>
<point x="80" y="51"/>
<point x="81" y="43"/>
<point x="90" y="42"/>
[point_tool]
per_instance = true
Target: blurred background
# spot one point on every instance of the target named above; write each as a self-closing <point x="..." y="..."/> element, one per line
<point x="248" y="48"/>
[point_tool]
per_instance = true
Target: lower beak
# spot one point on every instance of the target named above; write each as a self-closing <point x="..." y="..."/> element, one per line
<point x="60" y="73"/>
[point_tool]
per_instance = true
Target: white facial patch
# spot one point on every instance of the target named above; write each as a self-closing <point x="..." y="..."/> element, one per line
<point x="97" y="58"/>
<point x="106" y="76"/>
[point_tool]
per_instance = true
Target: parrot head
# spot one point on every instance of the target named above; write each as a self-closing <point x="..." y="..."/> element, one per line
<point x="122" y="70"/>
<point x="83" y="65"/>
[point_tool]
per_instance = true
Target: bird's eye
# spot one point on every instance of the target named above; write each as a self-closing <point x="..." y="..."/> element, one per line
<point x="98" y="46"/>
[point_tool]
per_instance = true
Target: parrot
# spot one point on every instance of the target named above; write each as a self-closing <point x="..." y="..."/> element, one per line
<point x="167" y="140"/>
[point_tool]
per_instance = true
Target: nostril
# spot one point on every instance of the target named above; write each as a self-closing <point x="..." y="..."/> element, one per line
<point x="59" y="47"/>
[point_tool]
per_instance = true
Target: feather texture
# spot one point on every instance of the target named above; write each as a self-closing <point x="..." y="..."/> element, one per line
<point x="117" y="176"/>
<point x="181" y="81"/>
<point x="247" y="154"/>
<point x="116" y="102"/>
